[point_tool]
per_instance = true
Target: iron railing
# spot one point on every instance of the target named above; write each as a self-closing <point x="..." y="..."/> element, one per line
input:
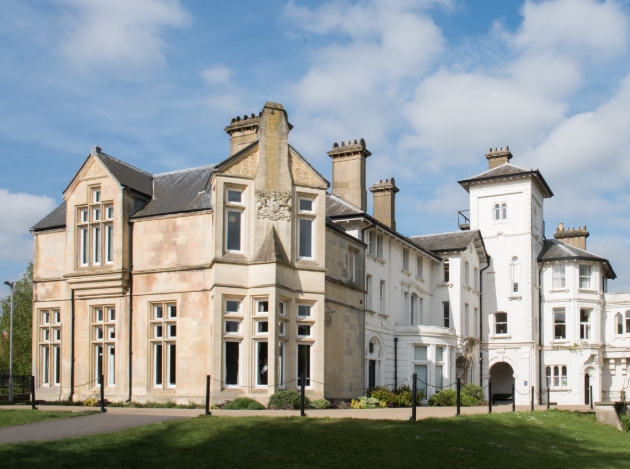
<point x="463" y="219"/>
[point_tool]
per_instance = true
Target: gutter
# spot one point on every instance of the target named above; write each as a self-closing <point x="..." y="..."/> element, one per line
<point x="71" y="346"/>
<point x="540" y="344"/>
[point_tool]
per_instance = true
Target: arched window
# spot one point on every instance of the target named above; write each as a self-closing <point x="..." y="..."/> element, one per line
<point x="515" y="274"/>
<point x="504" y="211"/>
<point x="500" y="323"/>
<point x="497" y="212"/>
<point x="618" y="323"/>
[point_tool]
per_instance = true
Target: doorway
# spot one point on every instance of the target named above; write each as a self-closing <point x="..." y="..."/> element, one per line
<point x="502" y="379"/>
<point x="371" y="373"/>
<point x="587" y="388"/>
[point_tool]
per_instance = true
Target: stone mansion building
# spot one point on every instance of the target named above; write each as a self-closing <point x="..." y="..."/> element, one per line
<point x="252" y="271"/>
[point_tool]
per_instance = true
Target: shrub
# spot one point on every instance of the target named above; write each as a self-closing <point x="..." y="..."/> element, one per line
<point x="444" y="398"/>
<point x="398" y="398"/>
<point x="473" y="391"/>
<point x="365" y="402"/>
<point x="255" y="406"/>
<point x="243" y="403"/>
<point x="467" y="400"/>
<point x="320" y="404"/>
<point x="384" y="395"/>
<point x="287" y="400"/>
<point x="7" y="402"/>
<point x="91" y="402"/>
<point x="625" y="421"/>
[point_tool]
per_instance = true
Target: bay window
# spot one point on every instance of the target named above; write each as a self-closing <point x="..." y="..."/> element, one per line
<point x="585" y="276"/>
<point x="585" y="323"/>
<point x="559" y="276"/>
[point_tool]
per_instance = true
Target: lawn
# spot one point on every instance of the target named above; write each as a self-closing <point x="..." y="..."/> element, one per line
<point x="538" y="439"/>
<point x="11" y="418"/>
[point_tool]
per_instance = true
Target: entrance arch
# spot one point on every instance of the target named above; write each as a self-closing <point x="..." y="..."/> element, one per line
<point x="502" y="378"/>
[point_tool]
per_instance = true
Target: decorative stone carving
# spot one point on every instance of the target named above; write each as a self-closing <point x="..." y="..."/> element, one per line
<point x="246" y="167"/>
<point x="301" y="174"/>
<point x="273" y="204"/>
<point x="94" y="171"/>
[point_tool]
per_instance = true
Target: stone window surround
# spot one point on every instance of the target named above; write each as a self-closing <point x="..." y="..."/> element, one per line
<point x="49" y="322"/>
<point x="85" y="243"/>
<point x="165" y="341"/>
<point x="103" y="322"/>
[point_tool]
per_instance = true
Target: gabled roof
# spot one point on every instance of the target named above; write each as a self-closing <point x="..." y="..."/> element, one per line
<point x="505" y="171"/>
<point x="219" y="166"/>
<point x="455" y="241"/>
<point x="304" y="160"/>
<point x="179" y="191"/>
<point x="127" y="175"/>
<point x="54" y="220"/>
<point x="338" y="209"/>
<point x="554" y="250"/>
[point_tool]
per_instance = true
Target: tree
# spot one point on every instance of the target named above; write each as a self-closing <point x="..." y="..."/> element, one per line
<point x="22" y="326"/>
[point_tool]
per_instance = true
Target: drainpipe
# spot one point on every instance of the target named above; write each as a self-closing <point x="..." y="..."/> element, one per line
<point x="395" y="363"/>
<point x="130" y="224"/>
<point x="71" y="346"/>
<point x="540" y="344"/>
<point x="481" y="320"/>
<point x="363" y="231"/>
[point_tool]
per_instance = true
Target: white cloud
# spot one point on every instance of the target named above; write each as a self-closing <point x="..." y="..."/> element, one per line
<point x="122" y="35"/>
<point x="217" y="75"/>
<point x="18" y="212"/>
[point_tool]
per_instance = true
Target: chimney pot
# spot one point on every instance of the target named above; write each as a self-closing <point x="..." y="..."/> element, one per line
<point x="349" y="172"/>
<point x="384" y="202"/>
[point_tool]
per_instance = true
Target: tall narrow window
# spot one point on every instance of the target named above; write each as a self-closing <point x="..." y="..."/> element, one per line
<point x="447" y="271"/>
<point x="96" y="234"/>
<point x="406" y="307"/>
<point x="618" y="323"/>
<point x="475" y="322"/>
<point x="281" y="367"/>
<point x="405" y="259"/>
<point x="439" y="368"/>
<point x="46" y="365"/>
<point x="304" y="364"/>
<point x="515" y="273"/>
<point x="379" y="246"/>
<point x="446" y="314"/>
<point x="504" y="211"/>
<point x="466" y="274"/>
<point x="585" y="276"/>
<point x="382" y="297"/>
<point x="83" y="233"/>
<point x="305" y="238"/>
<point x="497" y="212"/>
<point x="476" y="278"/>
<point x="163" y="337"/>
<point x="56" y="365"/>
<point x="49" y="339"/>
<point x="420" y="366"/>
<point x="500" y="323"/>
<point x="548" y="375"/>
<point x="627" y="322"/>
<point x="420" y="267"/>
<point x="556" y="376"/>
<point x="233" y="232"/>
<point x="413" y="313"/>
<point x="232" y="359"/>
<point x="368" y="292"/>
<point x="95" y="231"/>
<point x="111" y="366"/>
<point x="103" y="343"/>
<point x="466" y="319"/>
<point x="559" y="278"/>
<point x="560" y="326"/>
<point x="585" y="323"/>
<point x="109" y="244"/>
<point x="371" y="242"/>
<point x="353" y="267"/>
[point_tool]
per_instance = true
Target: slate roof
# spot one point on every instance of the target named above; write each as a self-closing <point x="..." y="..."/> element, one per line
<point x="336" y="206"/>
<point x="55" y="219"/>
<point x="507" y="170"/>
<point x="179" y="191"/>
<point x="554" y="250"/>
<point x="127" y="175"/>
<point x="443" y="242"/>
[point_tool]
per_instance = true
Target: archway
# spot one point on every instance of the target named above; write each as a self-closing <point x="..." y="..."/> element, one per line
<point x="373" y="363"/>
<point x="502" y="378"/>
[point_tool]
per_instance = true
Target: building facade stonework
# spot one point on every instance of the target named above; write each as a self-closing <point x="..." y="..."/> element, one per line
<point x="249" y="270"/>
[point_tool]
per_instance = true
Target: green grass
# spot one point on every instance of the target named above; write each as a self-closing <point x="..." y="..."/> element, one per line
<point x="11" y="418"/>
<point x="539" y="439"/>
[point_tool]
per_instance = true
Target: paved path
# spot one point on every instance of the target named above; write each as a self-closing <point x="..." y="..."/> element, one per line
<point x="78" y="426"/>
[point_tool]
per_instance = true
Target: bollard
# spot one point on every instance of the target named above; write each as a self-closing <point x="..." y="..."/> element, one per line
<point x="533" y="398"/>
<point x="459" y="395"/>
<point x="513" y="398"/>
<point x="33" y="393"/>
<point x="548" y="398"/>
<point x="591" y="396"/>
<point x="302" y="385"/>
<point x="102" y="394"/>
<point x="208" y="395"/>
<point x="414" y="393"/>
<point x="489" y="397"/>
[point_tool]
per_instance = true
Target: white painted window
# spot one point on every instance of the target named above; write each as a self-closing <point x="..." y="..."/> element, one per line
<point x="585" y="323"/>
<point x="382" y="297"/>
<point x="109" y="244"/>
<point x="282" y="309"/>
<point x="379" y="246"/>
<point x="306" y="205"/>
<point x="556" y="376"/>
<point x="281" y="364"/>
<point x="405" y="259"/>
<point x="304" y="364"/>
<point x="420" y="366"/>
<point x="303" y="330"/>
<point x="83" y="237"/>
<point x="413" y="314"/>
<point x="496" y="212"/>
<point x="371" y="247"/>
<point x="439" y="368"/>
<point x="96" y="195"/>
<point x="504" y="211"/>
<point x="560" y="325"/>
<point x="262" y="363"/>
<point x="111" y="365"/>
<point x="627" y="322"/>
<point x="559" y="276"/>
<point x="466" y="274"/>
<point x="233" y="230"/>
<point x="500" y="323"/>
<point x="262" y="327"/>
<point x="56" y="368"/>
<point x="234" y="196"/>
<point x="231" y="307"/>
<point x="476" y="278"/>
<point x="49" y="339"/>
<point x="104" y="343"/>
<point x="232" y="327"/>
<point x="446" y="314"/>
<point x="304" y="310"/>
<point x="282" y="329"/>
<point x="164" y="345"/>
<point x="585" y="276"/>
<point x="262" y="307"/>
<point x="368" y="292"/>
<point x="515" y="274"/>
<point x="232" y="357"/>
<point x="466" y="319"/>
<point x="618" y="324"/>
<point x="447" y="271"/>
<point x="46" y="365"/>
<point x="305" y="238"/>
<point x="420" y="267"/>
<point x="109" y="212"/>
<point x="96" y="244"/>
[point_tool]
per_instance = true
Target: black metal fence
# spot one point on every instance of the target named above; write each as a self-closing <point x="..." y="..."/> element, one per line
<point x="21" y="385"/>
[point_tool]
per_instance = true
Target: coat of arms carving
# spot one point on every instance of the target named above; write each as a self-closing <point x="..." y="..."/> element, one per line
<point x="273" y="204"/>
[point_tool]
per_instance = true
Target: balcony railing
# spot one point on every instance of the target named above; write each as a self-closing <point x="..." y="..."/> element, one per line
<point x="463" y="219"/>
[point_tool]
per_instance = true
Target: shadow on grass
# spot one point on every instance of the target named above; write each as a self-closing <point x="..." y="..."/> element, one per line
<point x="543" y="439"/>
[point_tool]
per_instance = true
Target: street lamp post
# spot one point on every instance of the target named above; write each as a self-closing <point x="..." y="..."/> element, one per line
<point x="11" y="285"/>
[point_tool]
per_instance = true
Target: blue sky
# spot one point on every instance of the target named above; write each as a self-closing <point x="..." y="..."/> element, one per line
<point x="429" y="84"/>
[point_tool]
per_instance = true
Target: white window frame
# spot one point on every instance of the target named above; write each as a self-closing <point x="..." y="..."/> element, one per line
<point x="368" y="292"/>
<point x="586" y="278"/>
<point x="419" y="362"/>
<point x="420" y="267"/>
<point x="559" y="275"/>
<point x="241" y="214"/>
<point x="102" y="322"/>
<point x="446" y="314"/>
<point x="446" y="271"/>
<point x="382" y="294"/>
<point x="379" y="246"/>
<point x="558" y="311"/>
<point x="585" y="326"/>
<point x="231" y="202"/>
<point x="497" y="323"/>
<point x="312" y="237"/>
<point x="618" y="324"/>
<point x="466" y="273"/>
<point x="310" y="309"/>
<point x="405" y="259"/>
<point x="515" y="275"/>
<point x="166" y="318"/>
<point x="109" y="243"/>
<point x="282" y="365"/>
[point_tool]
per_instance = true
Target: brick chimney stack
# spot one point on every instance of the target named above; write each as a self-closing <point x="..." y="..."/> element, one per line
<point x="384" y="194"/>
<point x="573" y="237"/>
<point x="243" y="131"/>
<point x="349" y="172"/>
<point x="498" y="156"/>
